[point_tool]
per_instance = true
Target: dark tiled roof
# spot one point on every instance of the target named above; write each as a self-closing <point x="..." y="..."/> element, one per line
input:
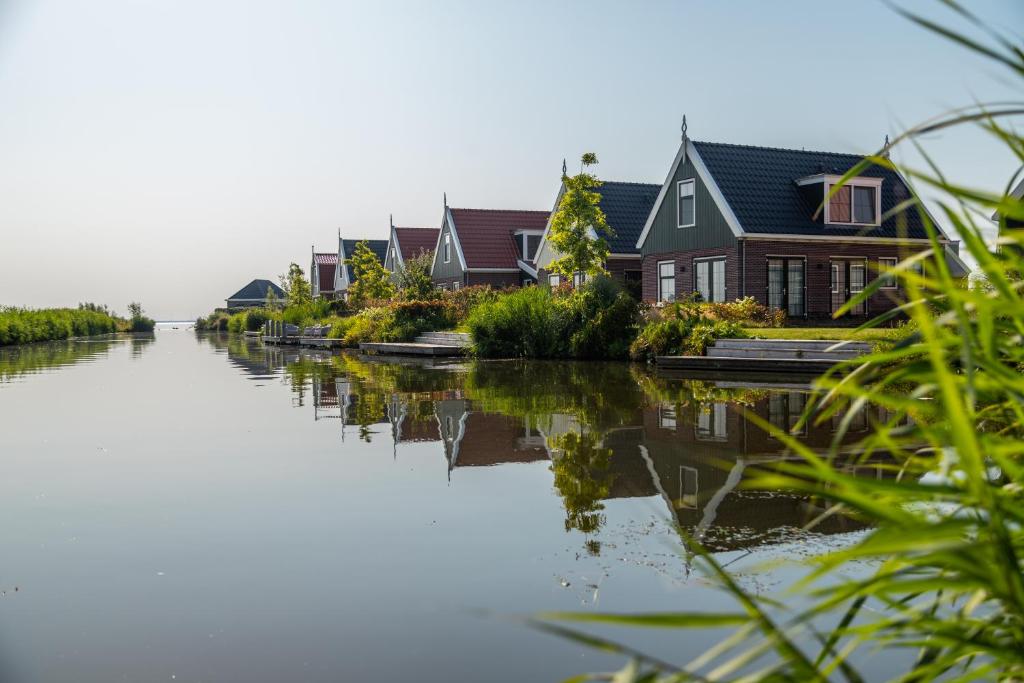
<point x="378" y="247"/>
<point x="257" y="289"/>
<point x="759" y="185"/>
<point x="416" y="241"/>
<point x="486" y="234"/>
<point x="325" y="259"/>
<point x="626" y="206"/>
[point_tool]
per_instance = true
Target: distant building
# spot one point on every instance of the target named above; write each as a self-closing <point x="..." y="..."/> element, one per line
<point x="487" y="247"/>
<point x="407" y="243"/>
<point x="254" y="294"/>
<point x="344" y="277"/>
<point x="322" y="275"/>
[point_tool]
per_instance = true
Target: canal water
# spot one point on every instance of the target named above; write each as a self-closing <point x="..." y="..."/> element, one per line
<point x="196" y="507"/>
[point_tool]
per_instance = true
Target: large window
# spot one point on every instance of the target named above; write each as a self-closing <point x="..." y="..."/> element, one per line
<point x="554" y="279"/>
<point x="786" y="285"/>
<point x="711" y="424"/>
<point x="886" y="265"/>
<point x="447" y="248"/>
<point x="666" y="281"/>
<point x="709" y="279"/>
<point x="687" y="216"/>
<point x="853" y="204"/>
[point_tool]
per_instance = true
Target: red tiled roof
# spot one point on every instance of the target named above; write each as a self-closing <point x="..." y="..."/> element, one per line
<point x="416" y="241"/>
<point x="326" y="264"/>
<point x="486" y="234"/>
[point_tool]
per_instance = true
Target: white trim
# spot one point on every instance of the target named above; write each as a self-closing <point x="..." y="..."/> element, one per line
<point x="834" y="274"/>
<point x="853" y="183"/>
<point x="527" y="268"/>
<point x="450" y="222"/>
<point x="693" y="195"/>
<point x="675" y="288"/>
<point x="836" y="238"/>
<point x="687" y="149"/>
<point x="711" y="276"/>
<point x="625" y="256"/>
<point x="835" y="178"/>
<point x="895" y="261"/>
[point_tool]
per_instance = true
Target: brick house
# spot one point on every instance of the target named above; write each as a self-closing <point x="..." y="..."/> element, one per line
<point x="626" y="207"/>
<point x="343" y="275"/>
<point x="487" y="247"/>
<point x="732" y="221"/>
<point x="407" y="243"/>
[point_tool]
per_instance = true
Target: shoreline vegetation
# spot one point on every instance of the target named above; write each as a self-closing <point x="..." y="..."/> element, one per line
<point x="26" y="326"/>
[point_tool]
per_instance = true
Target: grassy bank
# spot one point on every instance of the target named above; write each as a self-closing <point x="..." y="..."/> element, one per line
<point x="23" y="326"/>
<point x="887" y="335"/>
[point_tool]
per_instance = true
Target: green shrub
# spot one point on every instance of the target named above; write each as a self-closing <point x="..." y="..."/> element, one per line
<point x="681" y="330"/>
<point x="373" y="324"/>
<point x="141" y="324"/>
<point x="23" y="326"/>
<point x="255" y="318"/>
<point x="525" y="323"/>
<point x="600" y="319"/>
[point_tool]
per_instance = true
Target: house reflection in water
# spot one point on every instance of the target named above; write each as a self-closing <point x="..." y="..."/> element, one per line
<point x="684" y="442"/>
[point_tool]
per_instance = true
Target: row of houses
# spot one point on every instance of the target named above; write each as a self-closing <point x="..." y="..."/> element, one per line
<point x="729" y="221"/>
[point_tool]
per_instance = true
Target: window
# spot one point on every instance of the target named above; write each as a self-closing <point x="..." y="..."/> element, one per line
<point x="554" y="279"/>
<point x="666" y="281"/>
<point x="686" y="210"/>
<point x="448" y="248"/>
<point x="667" y="417"/>
<point x="578" y="278"/>
<point x="885" y="267"/>
<point x="711" y="422"/>
<point x="530" y="244"/>
<point x="394" y="260"/>
<point x="853" y="203"/>
<point x="863" y="204"/>
<point x="709" y="279"/>
<point x="835" y="278"/>
<point x="455" y="285"/>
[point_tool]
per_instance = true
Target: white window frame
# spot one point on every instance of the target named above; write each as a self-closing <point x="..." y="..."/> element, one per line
<point x="674" y="284"/>
<point x="456" y="285"/>
<point x="883" y="269"/>
<point x="394" y="259"/>
<point x="554" y="279"/>
<point x="667" y="417"/>
<point x="578" y="279"/>
<point x="875" y="183"/>
<point x="693" y="194"/>
<point x="447" y="248"/>
<point x="864" y="278"/>
<point x="711" y="276"/>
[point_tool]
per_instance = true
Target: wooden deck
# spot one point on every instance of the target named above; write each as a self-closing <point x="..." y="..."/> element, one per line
<point x="412" y="349"/>
<point x="798" y="357"/>
<point x="309" y="342"/>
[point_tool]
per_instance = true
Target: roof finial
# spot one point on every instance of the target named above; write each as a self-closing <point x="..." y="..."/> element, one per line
<point x="564" y="168"/>
<point x="391" y="219"/>
<point x="684" y="126"/>
<point x="446" y="200"/>
<point x="885" y="147"/>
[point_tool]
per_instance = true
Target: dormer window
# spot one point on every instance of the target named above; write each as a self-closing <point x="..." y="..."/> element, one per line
<point x="686" y="211"/>
<point x="527" y="243"/>
<point x="858" y="201"/>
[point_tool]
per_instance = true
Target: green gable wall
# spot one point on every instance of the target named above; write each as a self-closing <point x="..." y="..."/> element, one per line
<point x="442" y="270"/>
<point x="711" y="230"/>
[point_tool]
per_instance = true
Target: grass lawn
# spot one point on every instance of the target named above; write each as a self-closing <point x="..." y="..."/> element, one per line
<point x="886" y="335"/>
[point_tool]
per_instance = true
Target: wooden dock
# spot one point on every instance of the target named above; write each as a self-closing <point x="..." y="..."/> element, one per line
<point x="309" y="342"/>
<point x="798" y="357"/>
<point x="431" y="344"/>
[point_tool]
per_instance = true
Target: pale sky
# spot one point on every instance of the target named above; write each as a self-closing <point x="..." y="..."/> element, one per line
<point x="170" y="152"/>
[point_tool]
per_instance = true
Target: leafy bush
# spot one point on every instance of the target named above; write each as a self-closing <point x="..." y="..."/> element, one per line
<point x="236" y="323"/>
<point x="746" y="310"/>
<point x="254" y="319"/>
<point x="375" y="324"/>
<point x="525" y="323"/>
<point x="22" y="326"/>
<point x="141" y="324"/>
<point x="681" y="329"/>
<point x="600" y="319"/>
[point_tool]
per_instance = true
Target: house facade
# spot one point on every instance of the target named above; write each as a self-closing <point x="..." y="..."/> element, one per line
<point x="322" y="271"/>
<point x="343" y="275"/>
<point x="487" y="247"/>
<point x="732" y="221"/>
<point x="626" y="207"/>
<point x="408" y="243"/>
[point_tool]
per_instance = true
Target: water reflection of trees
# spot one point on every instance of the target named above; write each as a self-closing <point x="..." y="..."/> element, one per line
<point x="608" y="430"/>
<point x="29" y="359"/>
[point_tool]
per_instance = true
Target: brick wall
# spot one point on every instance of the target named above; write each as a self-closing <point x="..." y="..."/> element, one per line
<point x="495" y="280"/>
<point x="818" y="274"/>
<point x="685" y="271"/>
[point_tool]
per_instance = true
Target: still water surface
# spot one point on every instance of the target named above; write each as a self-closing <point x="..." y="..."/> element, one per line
<point x="200" y="508"/>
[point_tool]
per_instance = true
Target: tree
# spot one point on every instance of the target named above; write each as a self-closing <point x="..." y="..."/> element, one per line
<point x="414" y="281"/>
<point x="579" y="228"/>
<point x="135" y="310"/>
<point x="371" y="280"/>
<point x="271" y="298"/>
<point x="296" y="287"/>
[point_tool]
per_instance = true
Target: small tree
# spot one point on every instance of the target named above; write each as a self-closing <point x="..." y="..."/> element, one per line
<point x="371" y="280"/>
<point x="414" y="281"/>
<point x="296" y="287"/>
<point x="135" y="310"/>
<point x="579" y="228"/>
<point x="271" y="298"/>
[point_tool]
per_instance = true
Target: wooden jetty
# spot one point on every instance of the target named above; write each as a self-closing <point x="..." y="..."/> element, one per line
<point x="432" y="344"/>
<point x="277" y="333"/>
<point x="800" y="357"/>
